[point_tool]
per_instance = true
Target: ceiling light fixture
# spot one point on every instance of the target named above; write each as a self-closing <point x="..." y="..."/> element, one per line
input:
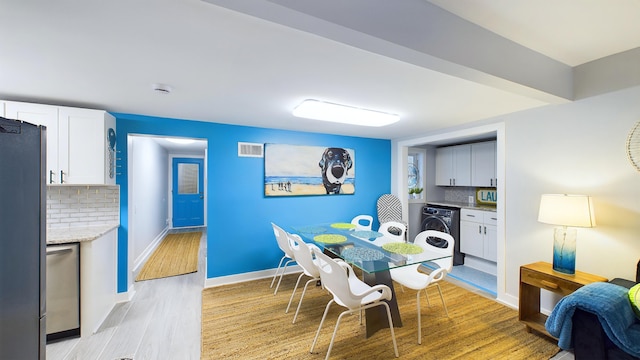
<point x="326" y="111"/>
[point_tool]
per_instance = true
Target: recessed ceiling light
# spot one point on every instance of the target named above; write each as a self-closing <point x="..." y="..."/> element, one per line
<point x="321" y="110"/>
<point x="162" y="88"/>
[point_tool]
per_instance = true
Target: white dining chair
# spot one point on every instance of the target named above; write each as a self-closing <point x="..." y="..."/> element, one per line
<point x="303" y="254"/>
<point x="282" y="239"/>
<point x="392" y="231"/>
<point x="410" y="277"/>
<point x="363" y="222"/>
<point x="350" y="292"/>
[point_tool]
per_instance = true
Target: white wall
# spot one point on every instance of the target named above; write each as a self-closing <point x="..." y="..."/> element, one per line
<point x="574" y="148"/>
<point x="149" y="188"/>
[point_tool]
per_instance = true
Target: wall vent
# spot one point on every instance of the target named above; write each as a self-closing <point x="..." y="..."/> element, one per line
<point x="250" y="150"/>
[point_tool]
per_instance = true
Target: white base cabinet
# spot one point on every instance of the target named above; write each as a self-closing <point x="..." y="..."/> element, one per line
<point x="478" y="234"/>
<point x="78" y="149"/>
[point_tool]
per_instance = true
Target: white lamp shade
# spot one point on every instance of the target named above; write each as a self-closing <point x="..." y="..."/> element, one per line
<point x="567" y="210"/>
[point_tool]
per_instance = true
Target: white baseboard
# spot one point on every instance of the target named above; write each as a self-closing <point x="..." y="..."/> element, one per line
<point x="125" y="296"/>
<point x="234" y="279"/>
<point x="148" y="251"/>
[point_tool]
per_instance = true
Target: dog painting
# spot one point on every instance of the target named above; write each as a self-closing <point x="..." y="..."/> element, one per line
<point x="294" y="170"/>
<point x="334" y="165"/>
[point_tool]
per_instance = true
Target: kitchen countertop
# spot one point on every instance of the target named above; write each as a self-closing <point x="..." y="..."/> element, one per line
<point x="77" y="233"/>
<point x="463" y="205"/>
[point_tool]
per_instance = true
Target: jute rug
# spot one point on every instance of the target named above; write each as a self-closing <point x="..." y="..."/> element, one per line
<point x="246" y="321"/>
<point x="177" y="254"/>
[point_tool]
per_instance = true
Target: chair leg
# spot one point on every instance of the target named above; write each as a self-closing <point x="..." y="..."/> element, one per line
<point x="393" y="334"/>
<point x="442" y="298"/>
<point x="419" y="318"/>
<point x="335" y="331"/>
<point x="281" y="275"/>
<point x="277" y="269"/>
<point x="302" y="297"/>
<point x="324" y="316"/>
<point x="293" y="293"/>
<point x="426" y="294"/>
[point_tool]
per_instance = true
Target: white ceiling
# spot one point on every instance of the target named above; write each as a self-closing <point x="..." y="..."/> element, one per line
<point x="250" y="62"/>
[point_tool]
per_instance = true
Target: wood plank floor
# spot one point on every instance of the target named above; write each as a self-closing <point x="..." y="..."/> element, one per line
<point x="162" y="321"/>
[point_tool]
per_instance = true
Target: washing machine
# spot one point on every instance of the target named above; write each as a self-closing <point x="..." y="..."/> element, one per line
<point x="447" y="220"/>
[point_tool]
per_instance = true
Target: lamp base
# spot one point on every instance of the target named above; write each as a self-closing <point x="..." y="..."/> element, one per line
<point x="564" y="250"/>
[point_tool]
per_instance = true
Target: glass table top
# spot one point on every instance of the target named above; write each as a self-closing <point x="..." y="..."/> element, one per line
<point x="368" y="250"/>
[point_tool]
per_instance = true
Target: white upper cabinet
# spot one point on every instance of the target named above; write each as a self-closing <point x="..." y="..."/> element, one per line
<point x="453" y="165"/>
<point x="483" y="164"/>
<point x="77" y="141"/>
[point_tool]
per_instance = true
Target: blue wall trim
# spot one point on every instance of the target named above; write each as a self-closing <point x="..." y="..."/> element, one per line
<point x="239" y="234"/>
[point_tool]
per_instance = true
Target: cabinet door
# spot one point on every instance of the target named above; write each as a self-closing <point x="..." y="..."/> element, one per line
<point x="490" y="243"/>
<point x="41" y="115"/>
<point x="462" y="165"/>
<point x="84" y="146"/>
<point x="483" y="164"/>
<point x="444" y="166"/>
<point x="471" y="238"/>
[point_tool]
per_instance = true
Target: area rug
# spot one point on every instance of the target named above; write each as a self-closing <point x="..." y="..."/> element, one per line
<point x="246" y="321"/>
<point x="177" y="254"/>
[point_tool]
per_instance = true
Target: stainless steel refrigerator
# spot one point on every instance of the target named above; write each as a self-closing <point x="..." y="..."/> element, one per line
<point x="22" y="240"/>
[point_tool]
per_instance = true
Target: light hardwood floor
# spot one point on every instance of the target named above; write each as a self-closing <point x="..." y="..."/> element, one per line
<point x="162" y="321"/>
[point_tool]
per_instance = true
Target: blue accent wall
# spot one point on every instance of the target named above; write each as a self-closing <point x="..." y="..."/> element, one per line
<point x="240" y="238"/>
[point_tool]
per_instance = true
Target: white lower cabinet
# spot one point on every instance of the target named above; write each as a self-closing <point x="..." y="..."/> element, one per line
<point x="478" y="235"/>
<point x="78" y="150"/>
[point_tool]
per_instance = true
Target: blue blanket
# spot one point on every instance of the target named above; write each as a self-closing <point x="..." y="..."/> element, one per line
<point x="610" y="303"/>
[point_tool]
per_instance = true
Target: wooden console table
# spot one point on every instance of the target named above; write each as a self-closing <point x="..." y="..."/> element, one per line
<point x="540" y="275"/>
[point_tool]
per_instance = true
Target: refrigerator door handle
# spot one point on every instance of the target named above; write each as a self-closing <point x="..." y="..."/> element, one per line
<point x="58" y="250"/>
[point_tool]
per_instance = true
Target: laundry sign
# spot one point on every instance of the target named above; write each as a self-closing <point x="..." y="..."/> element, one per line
<point x="486" y="196"/>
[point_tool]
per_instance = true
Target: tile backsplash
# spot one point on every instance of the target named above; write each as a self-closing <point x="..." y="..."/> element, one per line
<point x="82" y="205"/>
<point x="459" y="194"/>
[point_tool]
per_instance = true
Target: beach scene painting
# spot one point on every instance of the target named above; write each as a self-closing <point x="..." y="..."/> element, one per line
<point x="295" y="170"/>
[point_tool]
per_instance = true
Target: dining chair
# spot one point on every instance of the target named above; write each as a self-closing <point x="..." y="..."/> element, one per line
<point x="305" y="259"/>
<point x="362" y="222"/>
<point x="350" y="292"/>
<point x="283" y="242"/>
<point x="392" y="231"/>
<point x="389" y="209"/>
<point x="409" y="276"/>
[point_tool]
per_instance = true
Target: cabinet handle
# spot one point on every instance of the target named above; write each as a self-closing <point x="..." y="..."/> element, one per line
<point x="479" y="229"/>
<point x="50" y="176"/>
<point x="549" y="284"/>
<point x="61" y="177"/>
<point x="485" y="230"/>
<point x="454" y="182"/>
<point x="469" y="215"/>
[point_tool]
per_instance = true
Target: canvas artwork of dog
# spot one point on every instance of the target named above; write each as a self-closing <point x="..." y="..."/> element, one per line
<point x="334" y="164"/>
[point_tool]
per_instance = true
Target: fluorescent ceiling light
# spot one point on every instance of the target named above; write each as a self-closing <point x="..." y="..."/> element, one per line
<point x="181" y="141"/>
<point x="320" y="110"/>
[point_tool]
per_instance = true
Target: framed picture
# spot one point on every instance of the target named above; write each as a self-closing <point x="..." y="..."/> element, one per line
<point x="294" y="170"/>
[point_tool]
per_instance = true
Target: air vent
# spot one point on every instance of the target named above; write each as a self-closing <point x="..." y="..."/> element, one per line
<point x="250" y="150"/>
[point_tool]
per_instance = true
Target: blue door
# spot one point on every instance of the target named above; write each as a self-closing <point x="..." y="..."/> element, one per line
<point x="188" y="194"/>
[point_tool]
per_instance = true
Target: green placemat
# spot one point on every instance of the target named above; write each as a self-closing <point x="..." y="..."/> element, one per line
<point x="343" y="226"/>
<point x="402" y="248"/>
<point x="330" y="238"/>
<point x="361" y="254"/>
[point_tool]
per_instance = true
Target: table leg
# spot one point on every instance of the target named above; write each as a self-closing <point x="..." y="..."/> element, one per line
<point x="376" y="317"/>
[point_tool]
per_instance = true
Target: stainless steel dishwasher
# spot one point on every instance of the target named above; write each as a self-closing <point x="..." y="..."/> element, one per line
<point x="63" y="291"/>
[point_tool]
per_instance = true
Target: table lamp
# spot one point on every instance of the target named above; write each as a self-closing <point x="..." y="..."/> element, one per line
<point x="568" y="211"/>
